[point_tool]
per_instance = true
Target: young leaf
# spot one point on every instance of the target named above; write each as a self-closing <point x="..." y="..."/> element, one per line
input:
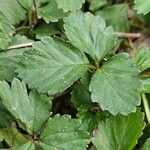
<point x="70" y="5"/>
<point x="116" y="16"/>
<point x="146" y="145"/>
<point x="119" y="132"/>
<point x="96" y="4"/>
<point x="11" y="9"/>
<point x="89" y="34"/>
<point x="115" y="86"/>
<point x="142" y="58"/>
<point x="6" y="32"/>
<point x="62" y="132"/>
<point x="145" y="84"/>
<point x="50" y="12"/>
<point x="24" y="108"/>
<point x="80" y="95"/>
<point x="52" y="66"/>
<point x="142" y="7"/>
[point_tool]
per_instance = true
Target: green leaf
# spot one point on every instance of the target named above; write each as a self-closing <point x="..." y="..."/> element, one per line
<point x="46" y="30"/>
<point x="26" y="146"/>
<point x="52" y="66"/>
<point x="5" y="116"/>
<point x="116" y="16"/>
<point x="142" y="57"/>
<point x="96" y="4"/>
<point x="62" y="132"/>
<point x="145" y="84"/>
<point x="89" y="34"/>
<point x="6" y="32"/>
<point x="11" y="9"/>
<point x="89" y="117"/>
<point x="50" y="12"/>
<point x="24" y="108"/>
<point x="119" y="132"/>
<point x="13" y="137"/>
<point x="142" y="7"/>
<point x="115" y="86"/>
<point x="70" y="5"/>
<point x="146" y="145"/>
<point x="80" y="95"/>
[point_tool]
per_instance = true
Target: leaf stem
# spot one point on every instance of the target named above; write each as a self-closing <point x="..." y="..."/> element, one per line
<point x="146" y="107"/>
<point x="128" y="35"/>
<point x="20" y="45"/>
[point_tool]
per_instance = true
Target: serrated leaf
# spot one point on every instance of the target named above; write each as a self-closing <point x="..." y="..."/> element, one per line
<point x="11" y="9"/>
<point x="119" y="132"/>
<point x="6" y="32"/>
<point x="142" y="57"/>
<point x="24" y="108"/>
<point x="89" y="34"/>
<point x="142" y="7"/>
<point x="50" y="12"/>
<point x="146" y="145"/>
<point x="116" y="16"/>
<point x="96" y="4"/>
<point x="118" y="77"/>
<point x="62" y="132"/>
<point x="52" y="66"/>
<point x="70" y="5"/>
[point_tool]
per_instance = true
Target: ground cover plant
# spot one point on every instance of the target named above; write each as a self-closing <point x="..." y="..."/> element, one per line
<point x="75" y="74"/>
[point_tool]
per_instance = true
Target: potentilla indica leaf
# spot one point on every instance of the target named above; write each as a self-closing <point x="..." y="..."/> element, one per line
<point x="12" y="10"/>
<point x="119" y="132"/>
<point x="32" y="110"/>
<point x="90" y="34"/>
<point x="142" y="7"/>
<point x="62" y="132"/>
<point x="115" y="86"/>
<point x="53" y="65"/>
<point x="6" y="32"/>
<point x="70" y="5"/>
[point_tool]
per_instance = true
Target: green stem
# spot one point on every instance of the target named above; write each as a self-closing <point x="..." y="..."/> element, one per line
<point x="146" y="107"/>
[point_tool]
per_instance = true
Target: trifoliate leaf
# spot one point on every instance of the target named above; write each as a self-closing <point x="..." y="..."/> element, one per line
<point x="52" y="66"/>
<point x="70" y="5"/>
<point x="80" y="95"/>
<point x="116" y="16"/>
<point x="96" y="4"/>
<point x="115" y="86"/>
<point x="12" y="10"/>
<point x="145" y="84"/>
<point x="24" y="108"/>
<point x="6" y="32"/>
<point x="119" y="132"/>
<point x="50" y="12"/>
<point x="142" y="58"/>
<point x="142" y="7"/>
<point x="62" y="132"/>
<point x="90" y="34"/>
<point x="146" y="145"/>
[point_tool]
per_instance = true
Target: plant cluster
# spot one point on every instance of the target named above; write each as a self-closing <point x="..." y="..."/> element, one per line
<point x="73" y="75"/>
